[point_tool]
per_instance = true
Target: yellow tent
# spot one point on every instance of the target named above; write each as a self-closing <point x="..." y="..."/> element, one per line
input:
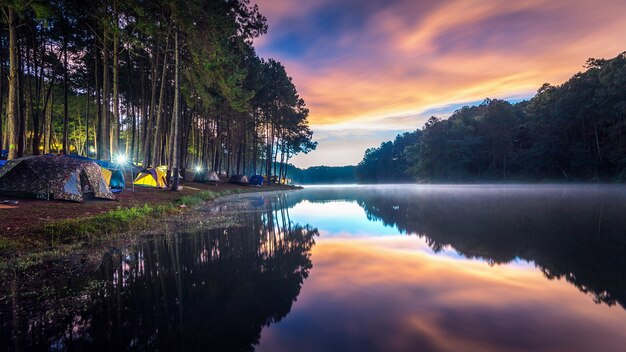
<point x="151" y="178"/>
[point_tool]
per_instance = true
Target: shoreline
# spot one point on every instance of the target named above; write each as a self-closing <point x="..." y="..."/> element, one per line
<point x="81" y="240"/>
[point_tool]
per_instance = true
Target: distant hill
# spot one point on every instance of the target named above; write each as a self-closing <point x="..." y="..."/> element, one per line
<point x="322" y="174"/>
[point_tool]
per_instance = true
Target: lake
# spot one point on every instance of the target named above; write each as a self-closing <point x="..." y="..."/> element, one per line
<point x="359" y="268"/>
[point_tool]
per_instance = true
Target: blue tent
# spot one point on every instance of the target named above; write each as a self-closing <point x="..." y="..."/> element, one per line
<point x="256" y="180"/>
<point x="117" y="180"/>
<point x="4" y="154"/>
<point x="2" y="162"/>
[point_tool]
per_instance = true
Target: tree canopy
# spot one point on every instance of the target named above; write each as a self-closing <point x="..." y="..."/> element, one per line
<point x="159" y="82"/>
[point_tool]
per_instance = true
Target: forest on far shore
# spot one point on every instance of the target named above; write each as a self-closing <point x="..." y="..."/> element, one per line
<point x="574" y="132"/>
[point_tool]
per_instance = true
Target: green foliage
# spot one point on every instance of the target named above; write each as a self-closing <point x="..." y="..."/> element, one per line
<point x="389" y="162"/>
<point x="199" y="198"/>
<point x="7" y="244"/>
<point x="115" y="221"/>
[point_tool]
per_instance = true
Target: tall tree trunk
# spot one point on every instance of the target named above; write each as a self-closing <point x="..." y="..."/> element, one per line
<point x="2" y="146"/>
<point x="99" y="123"/>
<point x="21" y="134"/>
<point x="157" y="144"/>
<point x="144" y="125"/>
<point x="115" y="144"/>
<point x="65" y="86"/>
<point x="255" y="138"/>
<point x="28" y="113"/>
<point x="87" y="98"/>
<point x="47" y="112"/>
<point x="12" y="104"/>
<point x="149" y="118"/>
<point x="106" y="130"/>
<point x="176" y="117"/>
<point x="47" y="136"/>
<point x="30" y="107"/>
<point x="130" y="110"/>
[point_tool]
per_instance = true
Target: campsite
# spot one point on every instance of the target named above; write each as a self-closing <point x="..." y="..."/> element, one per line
<point x="284" y="175"/>
<point x="42" y="190"/>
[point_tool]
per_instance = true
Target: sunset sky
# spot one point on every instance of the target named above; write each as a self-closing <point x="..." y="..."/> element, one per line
<point x="369" y="70"/>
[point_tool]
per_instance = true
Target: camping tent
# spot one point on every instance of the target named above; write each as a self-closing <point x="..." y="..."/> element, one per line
<point x="256" y="180"/>
<point x="152" y="177"/>
<point x="206" y="176"/>
<point x="239" y="179"/>
<point x="53" y="177"/>
<point x="116" y="180"/>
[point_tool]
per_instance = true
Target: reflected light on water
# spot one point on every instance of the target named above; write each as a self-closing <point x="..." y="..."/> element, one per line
<point x="339" y="219"/>
<point x="393" y="293"/>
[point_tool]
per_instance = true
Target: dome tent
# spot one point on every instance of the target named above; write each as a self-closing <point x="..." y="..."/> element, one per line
<point x="206" y="176"/>
<point x="238" y="179"/>
<point x="151" y="177"/>
<point x="256" y="180"/>
<point x="53" y="177"/>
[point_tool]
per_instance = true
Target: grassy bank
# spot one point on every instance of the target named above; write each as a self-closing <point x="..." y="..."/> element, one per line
<point x="69" y="239"/>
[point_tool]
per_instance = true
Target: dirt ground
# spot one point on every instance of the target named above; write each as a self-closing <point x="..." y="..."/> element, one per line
<point x="29" y="214"/>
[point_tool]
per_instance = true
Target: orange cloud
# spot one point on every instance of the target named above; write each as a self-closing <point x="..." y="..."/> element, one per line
<point x="405" y="62"/>
<point x="384" y="65"/>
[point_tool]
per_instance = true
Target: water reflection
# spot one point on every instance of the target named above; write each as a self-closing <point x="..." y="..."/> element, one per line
<point x="431" y="268"/>
<point x="210" y="289"/>
<point x="386" y="292"/>
<point x="577" y="233"/>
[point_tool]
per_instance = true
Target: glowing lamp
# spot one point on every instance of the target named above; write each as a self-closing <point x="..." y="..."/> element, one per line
<point x="121" y="159"/>
<point x="198" y="168"/>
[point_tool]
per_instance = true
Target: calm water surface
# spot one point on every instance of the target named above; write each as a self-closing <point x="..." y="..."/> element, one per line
<point x="404" y="268"/>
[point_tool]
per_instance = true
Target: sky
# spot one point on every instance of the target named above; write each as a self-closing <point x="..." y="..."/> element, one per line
<point x="369" y="70"/>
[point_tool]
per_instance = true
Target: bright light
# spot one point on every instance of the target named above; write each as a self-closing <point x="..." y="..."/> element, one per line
<point x="198" y="168"/>
<point x="121" y="159"/>
<point x="92" y="149"/>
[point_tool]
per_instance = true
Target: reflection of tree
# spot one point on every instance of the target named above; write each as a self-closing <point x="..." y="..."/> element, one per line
<point x="579" y="235"/>
<point x="209" y="290"/>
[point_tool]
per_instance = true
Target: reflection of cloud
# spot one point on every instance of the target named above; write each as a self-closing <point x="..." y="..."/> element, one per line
<point x="338" y="219"/>
<point x="360" y="62"/>
<point x="386" y="294"/>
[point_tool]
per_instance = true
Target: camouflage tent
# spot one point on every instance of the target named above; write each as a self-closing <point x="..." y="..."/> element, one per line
<point x="53" y="177"/>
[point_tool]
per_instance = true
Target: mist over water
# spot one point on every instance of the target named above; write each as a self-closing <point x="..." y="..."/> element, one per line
<point x="367" y="268"/>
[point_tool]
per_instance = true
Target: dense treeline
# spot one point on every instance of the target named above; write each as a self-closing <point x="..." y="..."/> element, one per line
<point x="389" y="162"/>
<point x="161" y="82"/>
<point x="572" y="132"/>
